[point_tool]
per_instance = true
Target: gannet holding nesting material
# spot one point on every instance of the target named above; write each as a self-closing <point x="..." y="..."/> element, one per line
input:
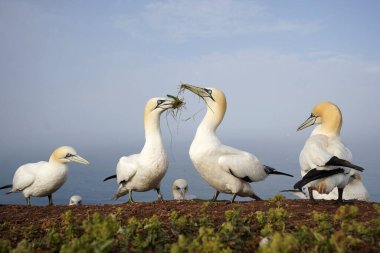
<point x="181" y="190"/>
<point x="42" y="179"/>
<point x="325" y="161"/>
<point x="143" y="172"/>
<point x="224" y="168"/>
<point x="75" y="200"/>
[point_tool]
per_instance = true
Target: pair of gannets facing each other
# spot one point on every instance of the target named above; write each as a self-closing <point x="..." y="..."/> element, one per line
<point x="226" y="169"/>
<point x="325" y="161"/>
<point x="42" y="179"/>
<point x="181" y="190"/>
<point x="143" y="172"/>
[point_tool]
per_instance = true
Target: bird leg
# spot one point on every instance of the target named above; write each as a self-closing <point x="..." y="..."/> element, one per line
<point x="216" y="194"/>
<point x="311" y="197"/>
<point x="28" y="201"/>
<point x="130" y="199"/>
<point x="340" y="195"/>
<point x="232" y="200"/>
<point x="50" y="200"/>
<point x="159" y="195"/>
<point x="254" y="196"/>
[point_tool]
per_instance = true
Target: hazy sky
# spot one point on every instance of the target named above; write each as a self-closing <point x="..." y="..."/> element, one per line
<point x="79" y="72"/>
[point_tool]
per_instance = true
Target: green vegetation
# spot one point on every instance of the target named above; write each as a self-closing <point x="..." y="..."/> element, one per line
<point x="257" y="231"/>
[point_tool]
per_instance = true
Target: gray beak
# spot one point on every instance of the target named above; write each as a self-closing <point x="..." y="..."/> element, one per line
<point x="309" y="122"/>
<point x="78" y="159"/>
<point x="201" y="92"/>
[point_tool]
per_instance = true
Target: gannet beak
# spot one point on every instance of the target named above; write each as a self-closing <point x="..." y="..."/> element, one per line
<point x="309" y="122"/>
<point x="78" y="159"/>
<point x="165" y="104"/>
<point x="201" y="92"/>
<point x="182" y="191"/>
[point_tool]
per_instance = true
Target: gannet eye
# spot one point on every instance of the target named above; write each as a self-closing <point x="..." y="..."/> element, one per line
<point x="177" y="187"/>
<point x="208" y="91"/>
<point x="69" y="155"/>
<point x="160" y="102"/>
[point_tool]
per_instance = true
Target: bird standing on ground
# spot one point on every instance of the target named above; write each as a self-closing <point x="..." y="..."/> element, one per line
<point x="44" y="178"/>
<point x="224" y="168"/>
<point x="143" y="172"/>
<point x="181" y="190"/>
<point x="325" y="161"/>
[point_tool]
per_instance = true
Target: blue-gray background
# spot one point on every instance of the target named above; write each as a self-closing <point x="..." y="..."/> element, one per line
<point x="79" y="73"/>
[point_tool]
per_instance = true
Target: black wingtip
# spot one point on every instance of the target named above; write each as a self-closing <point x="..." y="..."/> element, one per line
<point x="335" y="161"/>
<point x="270" y="170"/>
<point x="6" y="186"/>
<point x="110" y="177"/>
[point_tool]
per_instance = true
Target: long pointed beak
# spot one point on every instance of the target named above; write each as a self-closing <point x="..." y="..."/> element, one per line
<point x="309" y="122"/>
<point x="78" y="159"/>
<point x="201" y="92"/>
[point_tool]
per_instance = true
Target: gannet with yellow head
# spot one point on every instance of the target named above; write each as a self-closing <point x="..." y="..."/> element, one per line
<point x="144" y="171"/>
<point x="42" y="179"/>
<point x="224" y="168"/>
<point x="325" y="161"/>
<point x="181" y="190"/>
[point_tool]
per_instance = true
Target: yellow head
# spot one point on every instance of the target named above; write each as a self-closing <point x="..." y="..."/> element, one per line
<point x="328" y="115"/>
<point x="214" y="98"/>
<point x="66" y="154"/>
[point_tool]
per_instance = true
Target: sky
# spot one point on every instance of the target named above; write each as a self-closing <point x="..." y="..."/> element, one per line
<point x="79" y="73"/>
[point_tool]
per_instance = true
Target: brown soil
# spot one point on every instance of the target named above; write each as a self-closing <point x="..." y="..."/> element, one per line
<point x="19" y="217"/>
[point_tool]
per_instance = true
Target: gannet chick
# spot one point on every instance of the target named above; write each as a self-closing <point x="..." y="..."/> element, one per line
<point x="355" y="190"/>
<point x="180" y="190"/>
<point x="75" y="200"/>
<point x="44" y="178"/>
<point x="224" y="168"/>
<point x="143" y="172"/>
<point x="325" y="161"/>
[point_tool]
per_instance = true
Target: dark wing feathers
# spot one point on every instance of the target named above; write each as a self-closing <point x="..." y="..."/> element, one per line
<point x="315" y="174"/>
<point x="335" y="161"/>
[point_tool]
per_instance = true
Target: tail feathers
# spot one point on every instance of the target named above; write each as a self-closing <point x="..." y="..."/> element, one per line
<point x="6" y="186"/>
<point x="110" y="177"/>
<point x="335" y="161"/>
<point x="270" y="170"/>
<point x="315" y="174"/>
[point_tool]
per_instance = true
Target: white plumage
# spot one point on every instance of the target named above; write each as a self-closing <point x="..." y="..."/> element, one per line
<point x="181" y="190"/>
<point x="42" y="179"/>
<point x="75" y="200"/>
<point x="224" y="168"/>
<point x="325" y="161"/>
<point x="144" y="171"/>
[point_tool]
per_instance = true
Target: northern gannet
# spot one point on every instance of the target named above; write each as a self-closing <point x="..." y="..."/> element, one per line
<point x="180" y="190"/>
<point x="143" y="172"/>
<point x="354" y="190"/>
<point x="224" y="168"/>
<point x="44" y="178"/>
<point x="325" y="161"/>
<point x="75" y="200"/>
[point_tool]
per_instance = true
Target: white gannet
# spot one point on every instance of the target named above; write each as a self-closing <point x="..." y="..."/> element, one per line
<point x="44" y="178"/>
<point x="75" y="200"/>
<point x="224" y="168"/>
<point x="325" y="161"/>
<point x="354" y="190"/>
<point x="143" y="172"/>
<point x="180" y="190"/>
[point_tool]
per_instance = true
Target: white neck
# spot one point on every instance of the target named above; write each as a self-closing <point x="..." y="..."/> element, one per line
<point x="153" y="138"/>
<point x="207" y="128"/>
<point x="319" y="129"/>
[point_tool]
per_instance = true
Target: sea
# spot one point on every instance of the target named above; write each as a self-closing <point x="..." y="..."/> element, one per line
<point x="87" y="181"/>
